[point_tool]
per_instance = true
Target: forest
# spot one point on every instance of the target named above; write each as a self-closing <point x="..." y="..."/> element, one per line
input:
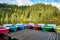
<point x="38" y="13"/>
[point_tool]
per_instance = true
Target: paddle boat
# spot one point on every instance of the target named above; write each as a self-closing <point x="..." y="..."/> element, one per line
<point x="41" y="25"/>
<point x="54" y="26"/>
<point x="57" y="29"/>
<point x="4" y="30"/>
<point x="11" y="27"/>
<point x="30" y="26"/>
<point x="20" y="26"/>
<point x="36" y="27"/>
<point x="47" y="28"/>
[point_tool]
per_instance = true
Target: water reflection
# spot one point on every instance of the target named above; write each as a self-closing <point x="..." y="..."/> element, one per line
<point x="25" y="22"/>
<point x="5" y="37"/>
<point x="2" y="37"/>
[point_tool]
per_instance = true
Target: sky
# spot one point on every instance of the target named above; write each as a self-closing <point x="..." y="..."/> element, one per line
<point x="32" y="2"/>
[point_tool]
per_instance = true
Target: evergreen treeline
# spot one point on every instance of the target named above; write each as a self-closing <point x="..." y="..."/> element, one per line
<point x="38" y="13"/>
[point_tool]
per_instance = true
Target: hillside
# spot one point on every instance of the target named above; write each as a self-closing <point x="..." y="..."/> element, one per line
<point x="38" y="13"/>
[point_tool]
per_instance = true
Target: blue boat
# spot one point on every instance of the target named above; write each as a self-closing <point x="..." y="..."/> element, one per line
<point x="20" y="26"/>
<point x="11" y="27"/>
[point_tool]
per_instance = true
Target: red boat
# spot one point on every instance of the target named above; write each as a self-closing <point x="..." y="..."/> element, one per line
<point x="4" y="30"/>
<point x="37" y="27"/>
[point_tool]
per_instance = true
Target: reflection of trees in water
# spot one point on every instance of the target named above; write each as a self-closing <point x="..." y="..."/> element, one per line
<point x="38" y="13"/>
<point x="36" y="22"/>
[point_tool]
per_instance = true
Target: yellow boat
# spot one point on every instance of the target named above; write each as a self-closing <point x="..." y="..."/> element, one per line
<point x="57" y="29"/>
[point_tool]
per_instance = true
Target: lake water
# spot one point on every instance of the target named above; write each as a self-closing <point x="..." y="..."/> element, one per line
<point x="26" y="22"/>
<point x="4" y="37"/>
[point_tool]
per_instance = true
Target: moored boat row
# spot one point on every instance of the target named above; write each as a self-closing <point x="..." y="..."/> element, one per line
<point x="6" y="28"/>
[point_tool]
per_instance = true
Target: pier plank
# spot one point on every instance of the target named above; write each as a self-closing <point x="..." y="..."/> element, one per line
<point x="30" y="34"/>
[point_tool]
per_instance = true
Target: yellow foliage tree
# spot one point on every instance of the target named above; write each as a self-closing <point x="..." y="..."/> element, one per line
<point x="6" y="19"/>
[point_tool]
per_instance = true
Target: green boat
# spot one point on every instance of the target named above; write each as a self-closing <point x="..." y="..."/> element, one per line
<point x="47" y="28"/>
<point x="54" y="26"/>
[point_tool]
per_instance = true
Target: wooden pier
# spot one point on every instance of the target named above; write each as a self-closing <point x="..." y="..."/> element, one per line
<point x="29" y="34"/>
